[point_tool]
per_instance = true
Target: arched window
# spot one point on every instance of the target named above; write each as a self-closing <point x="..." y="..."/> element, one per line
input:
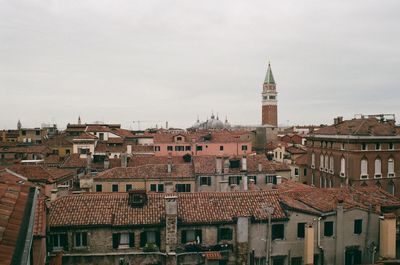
<point x="331" y="164"/>
<point x="313" y="160"/>
<point x="378" y="168"/>
<point x="364" y="168"/>
<point x="342" y="167"/>
<point x="391" y="168"/>
<point x="321" y="161"/>
<point x="326" y="162"/>
<point x="391" y="187"/>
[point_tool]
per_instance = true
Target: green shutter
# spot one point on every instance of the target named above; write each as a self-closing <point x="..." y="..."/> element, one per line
<point x="131" y="240"/>
<point x="158" y="239"/>
<point x="115" y="240"/>
<point x="64" y="241"/>
<point x="143" y="239"/>
<point x="183" y="237"/>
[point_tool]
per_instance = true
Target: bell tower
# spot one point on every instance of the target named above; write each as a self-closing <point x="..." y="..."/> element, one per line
<point x="269" y="100"/>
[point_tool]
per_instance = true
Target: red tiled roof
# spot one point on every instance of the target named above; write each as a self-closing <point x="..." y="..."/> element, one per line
<point x="97" y="128"/>
<point x="74" y="161"/>
<point x="33" y="149"/>
<point x="140" y="160"/>
<point x="302" y="160"/>
<point x="193" y="208"/>
<point x="122" y="133"/>
<point x="41" y="173"/>
<point x="13" y="200"/>
<point x="39" y="228"/>
<point x="59" y="140"/>
<point x="85" y="136"/>
<point x="295" y="150"/>
<point x="148" y="171"/>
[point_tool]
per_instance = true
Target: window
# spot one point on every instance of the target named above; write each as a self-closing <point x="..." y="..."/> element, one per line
<point x="342" y="167"/>
<point x="326" y="162"/>
<point x="391" y="187"/>
<point x="391" y="168"/>
<point x="278" y="231"/>
<point x="305" y="172"/>
<point x="101" y="136"/>
<point x="235" y="180"/>
<point x="270" y="179"/>
<point x="321" y="161"/>
<point x="114" y="187"/>
<point x="296" y="171"/>
<point x="328" y="228"/>
<point x="300" y="230"/>
<point x="157" y="187"/>
<point x="358" y="226"/>
<point x="378" y="166"/>
<point x="221" y="148"/>
<point x="128" y="187"/>
<point x="37" y="132"/>
<point x="150" y="237"/>
<point x="225" y="234"/>
<point x="179" y="148"/>
<point x="254" y="178"/>
<point x="83" y="151"/>
<point x="343" y="146"/>
<point x="244" y="147"/>
<point x="364" y="168"/>
<point x="81" y="239"/>
<point x="297" y="261"/>
<point x="312" y="160"/>
<point x="312" y="179"/>
<point x="331" y="164"/>
<point x="67" y="151"/>
<point x="205" y="181"/>
<point x="157" y="148"/>
<point x="364" y="147"/>
<point x="99" y="188"/>
<point x="59" y="241"/>
<point x="179" y="138"/>
<point x="191" y="236"/>
<point x="182" y="187"/>
<point x="278" y="260"/>
<point x="199" y="148"/>
<point x="123" y="240"/>
<point x="377" y="146"/>
<point x="391" y="146"/>
<point x="188" y="148"/>
<point x="170" y="148"/>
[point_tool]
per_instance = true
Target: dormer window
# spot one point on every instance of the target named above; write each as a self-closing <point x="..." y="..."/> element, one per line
<point x="137" y="198"/>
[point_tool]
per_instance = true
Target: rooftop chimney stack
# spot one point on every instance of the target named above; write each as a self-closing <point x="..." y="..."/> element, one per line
<point x="171" y="222"/>
<point x="244" y="163"/>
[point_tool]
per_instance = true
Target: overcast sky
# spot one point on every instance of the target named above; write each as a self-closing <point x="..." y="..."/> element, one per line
<point x="120" y="61"/>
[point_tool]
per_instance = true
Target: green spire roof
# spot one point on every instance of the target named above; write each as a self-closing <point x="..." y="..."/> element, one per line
<point x="269" y="78"/>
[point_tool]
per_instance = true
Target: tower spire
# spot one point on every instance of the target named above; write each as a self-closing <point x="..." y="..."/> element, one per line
<point x="269" y="77"/>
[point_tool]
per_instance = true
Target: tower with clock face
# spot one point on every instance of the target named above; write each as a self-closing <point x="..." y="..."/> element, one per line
<point x="269" y="100"/>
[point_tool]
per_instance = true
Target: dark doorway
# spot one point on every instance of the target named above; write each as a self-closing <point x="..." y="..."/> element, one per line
<point x="353" y="257"/>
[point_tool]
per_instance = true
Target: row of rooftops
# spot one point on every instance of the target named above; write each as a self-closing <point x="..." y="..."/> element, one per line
<point x="114" y="209"/>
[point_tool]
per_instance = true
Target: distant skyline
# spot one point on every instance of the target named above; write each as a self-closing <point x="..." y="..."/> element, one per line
<point x="123" y="61"/>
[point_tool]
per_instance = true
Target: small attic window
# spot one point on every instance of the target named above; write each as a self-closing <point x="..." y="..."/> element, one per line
<point x="137" y="198"/>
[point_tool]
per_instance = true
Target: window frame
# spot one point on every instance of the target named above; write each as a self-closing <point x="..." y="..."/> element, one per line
<point x="278" y="234"/>
<point x="329" y="230"/>
<point x="82" y="237"/>
<point x="358" y="225"/>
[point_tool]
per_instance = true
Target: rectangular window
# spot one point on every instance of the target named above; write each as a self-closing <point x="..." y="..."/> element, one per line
<point x="278" y="231"/>
<point x="123" y="240"/>
<point x="296" y="261"/>
<point x="235" y="180"/>
<point x="99" y="188"/>
<point x="170" y="148"/>
<point x="157" y="187"/>
<point x="157" y="148"/>
<point x="191" y="236"/>
<point x="364" y="147"/>
<point x="391" y="146"/>
<point x="128" y="187"/>
<point x="182" y="187"/>
<point x="188" y="148"/>
<point x="358" y="226"/>
<point x="296" y="172"/>
<point x="305" y="172"/>
<point x="225" y="233"/>
<point x="59" y="241"/>
<point x="300" y="230"/>
<point x="149" y="238"/>
<point x="179" y="148"/>
<point x="377" y="146"/>
<point x="328" y="228"/>
<point x="37" y="132"/>
<point x="81" y="239"/>
<point x="153" y="187"/>
<point x="160" y="187"/>
<point x="199" y="148"/>
<point x="114" y="187"/>
<point x="270" y="179"/>
<point x="205" y="181"/>
<point x="221" y="148"/>
<point x="101" y="136"/>
<point x="244" y="147"/>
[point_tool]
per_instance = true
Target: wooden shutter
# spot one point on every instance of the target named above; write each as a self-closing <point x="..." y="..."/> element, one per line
<point x="131" y="240"/>
<point x="183" y="237"/>
<point x="143" y="239"/>
<point x="84" y="239"/>
<point x="158" y="239"/>
<point x="115" y="240"/>
<point x="64" y="241"/>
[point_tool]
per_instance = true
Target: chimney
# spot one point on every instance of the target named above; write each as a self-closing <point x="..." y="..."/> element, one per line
<point x="218" y="165"/>
<point x="244" y="163"/>
<point x="252" y="185"/>
<point x="244" y="183"/>
<point x="226" y="166"/>
<point x="129" y="149"/>
<point x="223" y="185"/>
<point x="106" y="163"/>
<point x="308" y="244"/>
<point x="387" y="236"/>
<point x="278" y="180"/>
<point x="242" y="239"/>
<point x="53" y="195"/>
<point x="166" y="125"/>
<point x="88" y="162"/>
<point x="169" y="169"/>
<point x="124" y="160"/>
<point x="171" y="221"/>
